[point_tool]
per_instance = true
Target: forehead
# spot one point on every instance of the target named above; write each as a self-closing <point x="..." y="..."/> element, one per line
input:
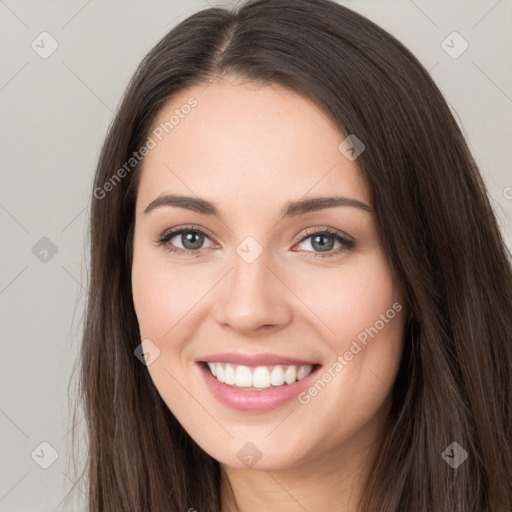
<point x="245" y="140"/>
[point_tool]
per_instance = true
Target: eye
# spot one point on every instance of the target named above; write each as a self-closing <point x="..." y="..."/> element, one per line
<point x="320" y="242"/>
<point x="323" y="241"/>
<point x="188" y="239"/>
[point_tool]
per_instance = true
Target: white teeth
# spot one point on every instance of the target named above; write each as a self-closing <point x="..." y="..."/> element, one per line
<point x="304" y="371"/>
<point x="261" y="377"/>
<point x="243" y="377"/>
<point x="290" y="375"/>
<point x="229" y="375"/>
<point x="220" y="372"/>
<point x="277" y="377"/>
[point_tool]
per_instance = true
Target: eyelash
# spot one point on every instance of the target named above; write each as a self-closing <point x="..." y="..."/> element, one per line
<point x="347" y="244"/>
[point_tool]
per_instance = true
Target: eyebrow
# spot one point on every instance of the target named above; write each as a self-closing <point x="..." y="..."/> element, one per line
<point x="291" y="208"/>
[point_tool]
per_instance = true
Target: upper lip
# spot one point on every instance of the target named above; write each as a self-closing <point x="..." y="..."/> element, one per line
<point x="253" y="359"/>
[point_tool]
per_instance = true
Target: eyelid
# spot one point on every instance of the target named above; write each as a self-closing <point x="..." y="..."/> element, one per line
<point x="323" y="229"/>
<point x="188" y="227"/>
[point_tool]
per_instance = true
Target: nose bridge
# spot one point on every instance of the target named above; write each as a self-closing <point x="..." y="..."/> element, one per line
<point x="252" y="295"/>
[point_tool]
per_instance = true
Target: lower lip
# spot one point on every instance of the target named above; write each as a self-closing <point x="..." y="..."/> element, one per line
<point x="254" y="401"/>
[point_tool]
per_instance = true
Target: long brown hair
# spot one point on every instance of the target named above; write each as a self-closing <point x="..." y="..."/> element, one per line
<point x="437" y="228"/>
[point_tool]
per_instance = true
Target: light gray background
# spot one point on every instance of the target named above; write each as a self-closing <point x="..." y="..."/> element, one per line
<point x="54" y="115"/>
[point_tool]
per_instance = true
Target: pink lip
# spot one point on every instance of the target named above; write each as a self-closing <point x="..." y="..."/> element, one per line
<point x="253" y="400"/>
<point x="252" y="360"/>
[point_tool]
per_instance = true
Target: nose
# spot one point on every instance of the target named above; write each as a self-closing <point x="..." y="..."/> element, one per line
<point x="253" y="299"/>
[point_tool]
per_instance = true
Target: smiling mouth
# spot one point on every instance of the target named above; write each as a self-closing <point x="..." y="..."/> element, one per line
<point x="258" y="378"/>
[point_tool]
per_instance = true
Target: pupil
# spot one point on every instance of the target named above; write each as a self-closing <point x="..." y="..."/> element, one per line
<point x="195" y="239"/>
<point x="323" y="246"/>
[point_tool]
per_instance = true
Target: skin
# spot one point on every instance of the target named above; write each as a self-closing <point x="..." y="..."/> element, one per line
<point x="249" y="148"/>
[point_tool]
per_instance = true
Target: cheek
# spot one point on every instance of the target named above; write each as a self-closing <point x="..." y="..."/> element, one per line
<point x="349" y="300"/>
<point x="362" y="315"/>
<point x="153" y="302"/>
<point x="361" y="312"/>
<point x="163" y="296"/>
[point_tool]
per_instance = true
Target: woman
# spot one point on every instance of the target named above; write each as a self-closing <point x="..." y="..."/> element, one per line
<point x="299" y="295"/>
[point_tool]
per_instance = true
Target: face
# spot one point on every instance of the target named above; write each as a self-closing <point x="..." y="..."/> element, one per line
<point x="288" y="300"/>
